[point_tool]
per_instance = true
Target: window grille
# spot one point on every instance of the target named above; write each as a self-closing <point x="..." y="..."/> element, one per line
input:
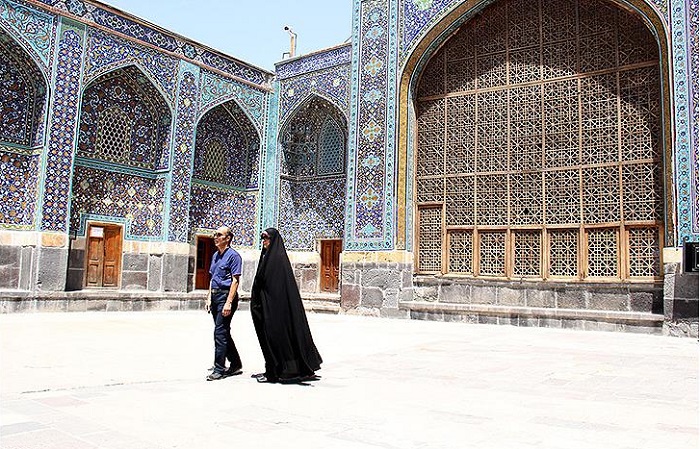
<point x="538" y="146"/>
<point x="113" y="134"/>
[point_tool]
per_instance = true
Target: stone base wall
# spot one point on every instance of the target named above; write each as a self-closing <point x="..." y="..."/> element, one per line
<point x="680" y="301"/>
<point x="374" y="283"/>
<point x="619" y="297"/>
<point x="16" y="263"/>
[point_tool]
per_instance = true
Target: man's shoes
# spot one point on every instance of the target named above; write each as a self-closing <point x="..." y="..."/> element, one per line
<point x="255" y="376"/>
<point x="233" y="371"/>
<point x="216" y="376"/>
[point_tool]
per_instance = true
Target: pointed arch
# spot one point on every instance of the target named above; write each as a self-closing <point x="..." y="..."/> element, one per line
<point x="299" y="138"/>
<point x="125" y="119"/>
<point x="430" y="44"/>
<point x="227" y="147"/>
<point x="309" y="97"/>
<point x="23" y="96"/>
<point x="95" y="76"/>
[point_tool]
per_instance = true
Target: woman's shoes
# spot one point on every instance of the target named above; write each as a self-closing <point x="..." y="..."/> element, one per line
<point x="263" y="379"/>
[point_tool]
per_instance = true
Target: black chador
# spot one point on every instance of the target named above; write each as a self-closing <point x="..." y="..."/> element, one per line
<point x="279" y="317"/>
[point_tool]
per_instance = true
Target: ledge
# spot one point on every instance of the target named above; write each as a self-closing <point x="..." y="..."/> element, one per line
<point x="534" y="312"/>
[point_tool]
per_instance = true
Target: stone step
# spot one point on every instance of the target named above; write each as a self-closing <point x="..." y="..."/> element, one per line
<point x="586" y="319"/>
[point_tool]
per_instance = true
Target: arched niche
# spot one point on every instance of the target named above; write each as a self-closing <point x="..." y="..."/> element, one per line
<point x="227" y="148"/>
<point x="23" y="93"/>
<point x="125" y="120"/>
<point x="313" y="149"/>
<point x="539" y="150"/>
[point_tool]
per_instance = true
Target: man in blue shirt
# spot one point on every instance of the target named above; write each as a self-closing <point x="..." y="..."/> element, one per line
<point x="222" y="302"/>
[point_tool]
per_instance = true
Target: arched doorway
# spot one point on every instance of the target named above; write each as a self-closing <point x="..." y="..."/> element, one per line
<point x="539" y="152"/>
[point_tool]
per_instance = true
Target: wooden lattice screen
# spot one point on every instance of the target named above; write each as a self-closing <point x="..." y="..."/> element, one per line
<point x="539" y="145"/>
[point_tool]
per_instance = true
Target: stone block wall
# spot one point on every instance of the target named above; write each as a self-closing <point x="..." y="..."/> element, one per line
<point x="16" y="264"/>
<point x="680" y="301"/>
<point x="643" y="298"/>
<point x="374" y="283"/>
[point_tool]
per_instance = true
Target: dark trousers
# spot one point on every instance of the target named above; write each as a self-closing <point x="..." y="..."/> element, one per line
<point x="225" y="348"/>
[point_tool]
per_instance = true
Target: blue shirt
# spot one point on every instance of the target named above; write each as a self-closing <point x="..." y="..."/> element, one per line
<point x="223" y="267"/>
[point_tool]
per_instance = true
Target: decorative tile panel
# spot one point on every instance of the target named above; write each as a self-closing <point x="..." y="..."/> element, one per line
<point x="216" y="207"/>
<point x="216" y="90"/>
<point x="18" y="190"/>
<point x="106" y="52"/>
<point x="182" y="151"/>
<point x="311" y="63"/>
<point x="370" y="213"/>
<point x="134" y="200"/>
<point x="35" y="29"/>
<point x="62" y="127"/>
<point x="311" y="210"/>
<point x="332" y="84"/>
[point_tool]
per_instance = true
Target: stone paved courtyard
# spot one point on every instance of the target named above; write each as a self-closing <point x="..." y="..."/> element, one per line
<point x="136" y="380"/>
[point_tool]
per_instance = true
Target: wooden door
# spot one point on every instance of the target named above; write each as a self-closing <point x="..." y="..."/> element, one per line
<point x="104" y="256"/>
<point x="205" y="250"/>
<point x="330" y="264"/>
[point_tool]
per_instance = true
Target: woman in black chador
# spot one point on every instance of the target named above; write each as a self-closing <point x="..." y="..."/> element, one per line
<point x="279" y="317"/>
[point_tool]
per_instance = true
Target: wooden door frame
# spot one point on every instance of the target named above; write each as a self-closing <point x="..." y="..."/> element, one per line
<point x="89" y="225"/>
<point x="320" y="271"/>
<point x="196" y="246"/>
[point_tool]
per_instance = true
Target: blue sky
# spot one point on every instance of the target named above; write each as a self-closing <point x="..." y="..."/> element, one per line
<point x="251" y="30"/>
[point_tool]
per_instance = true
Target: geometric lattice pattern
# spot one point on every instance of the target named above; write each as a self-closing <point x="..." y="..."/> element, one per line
<point x="644" y="247"/>
<point x="227" y="148"/>
<point x="602" y="253"/>
<point x="125" y="120"/>
<point x="539" y="122"/>
<point x="563" y="252"/>
<point x="430" y="244"/>
<point x="461" y="252"/>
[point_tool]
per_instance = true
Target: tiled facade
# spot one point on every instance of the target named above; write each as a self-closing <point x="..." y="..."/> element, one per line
<point x="107" y="118"/>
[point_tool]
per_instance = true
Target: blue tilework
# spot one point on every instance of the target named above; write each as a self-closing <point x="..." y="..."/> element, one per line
<point x="135" y="200"/>
<point x="62" y="128"/>
<point x="33" y="28"/>
<point x="216" y="207"/>
<point x="179" y="192"/>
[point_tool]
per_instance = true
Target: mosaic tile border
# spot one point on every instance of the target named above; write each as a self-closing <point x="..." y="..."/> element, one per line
<point x="320" y="60"/>
<point x="269" y="170"/>
<point x="687" y="211"/>
<point x="57" y="161"/>
<point x="34" y="30"/>
<point x="370" y="202"/>
<point x="135" y="28"/>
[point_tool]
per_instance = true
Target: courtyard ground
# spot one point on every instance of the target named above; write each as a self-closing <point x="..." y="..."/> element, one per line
<point x="136" y="380"/>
